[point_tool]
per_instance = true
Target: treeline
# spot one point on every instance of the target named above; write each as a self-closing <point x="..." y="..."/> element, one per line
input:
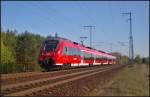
<point x="141" y="60"/>
<point x="19" y="52"/>
<point x="123" y="59"/>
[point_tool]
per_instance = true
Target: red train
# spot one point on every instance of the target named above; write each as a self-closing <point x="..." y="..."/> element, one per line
<point x="56" y="51"/>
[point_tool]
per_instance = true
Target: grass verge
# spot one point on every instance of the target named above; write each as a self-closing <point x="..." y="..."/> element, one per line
<point x="132" y="81"/>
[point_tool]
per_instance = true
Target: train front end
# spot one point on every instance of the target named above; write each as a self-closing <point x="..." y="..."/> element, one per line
<point x="47" y="56"/>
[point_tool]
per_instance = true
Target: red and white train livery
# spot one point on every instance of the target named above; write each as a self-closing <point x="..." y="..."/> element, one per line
<point x="56" y="51"/>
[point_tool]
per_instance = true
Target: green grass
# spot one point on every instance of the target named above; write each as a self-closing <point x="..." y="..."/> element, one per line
<point x="132" y="81"/>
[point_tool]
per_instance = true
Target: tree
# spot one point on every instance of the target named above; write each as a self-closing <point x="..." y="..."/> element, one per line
<point x="145" y="60"/>
<point x="22" y="50"/>
<point x="121" y="59"/>
<point x="9" y="39"/>
<point x="124" y="59"/>
<point x="7" y="59"/>
<point x="118" y="55"/>
<point x="138" y="59"/>
<point x="8" y="56"/>
<point x="28" y="50"/>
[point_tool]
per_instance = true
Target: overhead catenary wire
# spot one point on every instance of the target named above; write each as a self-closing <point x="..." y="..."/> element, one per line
<point x="65" y="18"/>
<point x="91" y="18"/>
<point x="41" y="20"/>
<point x="44" y="14"/>
<point x="111" y="13"/>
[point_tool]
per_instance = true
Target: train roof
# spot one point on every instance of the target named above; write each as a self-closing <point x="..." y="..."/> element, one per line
<point x="57" y="38"/>
<point x="64" y="39"/>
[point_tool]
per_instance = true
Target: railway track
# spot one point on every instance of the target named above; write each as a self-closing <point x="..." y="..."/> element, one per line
<point x="21" y="77"/>
<point x="46" y="80"/>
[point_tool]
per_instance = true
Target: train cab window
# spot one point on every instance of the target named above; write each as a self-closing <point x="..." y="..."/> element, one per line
<point x="50" y="45"/>
<point x="65" y="50"/>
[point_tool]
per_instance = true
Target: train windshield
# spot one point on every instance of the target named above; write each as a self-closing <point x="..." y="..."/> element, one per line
<point x="50" y="45"/>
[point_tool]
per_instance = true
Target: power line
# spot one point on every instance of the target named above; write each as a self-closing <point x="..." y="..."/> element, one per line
<point x="47" y="17"/>
<point x="88" y="16"/>
<point x="62" y="15"/>
<point x="111" y="13"/>
<point x="90" y="30"/>
<point x="110" y="46"/>
<point x="122" y="43"/>
<point x="91" y="19"/>
<point x="38" y="12"/>
<point x="65" y="18"/>
<point x="29" y="24"/>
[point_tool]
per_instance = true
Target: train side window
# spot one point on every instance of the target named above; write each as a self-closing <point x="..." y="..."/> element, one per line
<point x="75" y="51"/>
<point x="94" y="56"/>
<point x="79" y="52"/>
<point x="68" y="50"/>
<point x="84" y="55"/>
<point x="71" y="51"/>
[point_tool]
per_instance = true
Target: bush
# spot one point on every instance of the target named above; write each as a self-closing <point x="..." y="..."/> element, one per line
<point x="7" y="68"/>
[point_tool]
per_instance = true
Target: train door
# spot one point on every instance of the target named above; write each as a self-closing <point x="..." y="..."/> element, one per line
<point x="65" y="50"/>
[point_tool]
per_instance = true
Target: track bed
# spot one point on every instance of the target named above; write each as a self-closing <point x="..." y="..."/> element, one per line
<point x="34" y="82"/>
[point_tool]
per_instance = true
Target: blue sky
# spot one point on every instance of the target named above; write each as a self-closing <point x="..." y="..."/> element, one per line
<point x="68" y="18"/>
